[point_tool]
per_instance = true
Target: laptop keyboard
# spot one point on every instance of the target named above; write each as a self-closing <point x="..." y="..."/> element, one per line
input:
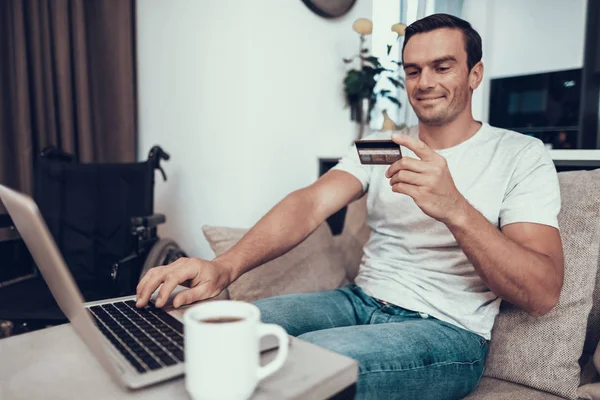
<point x="149" y="338"/>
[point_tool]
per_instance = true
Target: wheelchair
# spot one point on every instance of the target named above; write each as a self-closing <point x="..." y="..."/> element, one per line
<point x="102" y="219"/>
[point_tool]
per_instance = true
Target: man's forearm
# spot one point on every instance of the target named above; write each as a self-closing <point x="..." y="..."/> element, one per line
<point x="513" y="272"/>
<point x="282" y="228"/>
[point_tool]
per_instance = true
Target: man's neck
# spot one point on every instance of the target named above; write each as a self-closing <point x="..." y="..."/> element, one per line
<point x="450" y="134"/>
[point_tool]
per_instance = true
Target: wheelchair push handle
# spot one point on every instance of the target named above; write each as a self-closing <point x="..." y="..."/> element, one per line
<point x="157" y="154"/>
<point x="53" y="152"/>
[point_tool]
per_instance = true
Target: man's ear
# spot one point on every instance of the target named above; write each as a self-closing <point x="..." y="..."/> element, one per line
<point x="476" y="76"/>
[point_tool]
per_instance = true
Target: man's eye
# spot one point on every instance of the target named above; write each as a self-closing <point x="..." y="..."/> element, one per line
<point x="442" y="69"/>
<point x="412" y="73"/>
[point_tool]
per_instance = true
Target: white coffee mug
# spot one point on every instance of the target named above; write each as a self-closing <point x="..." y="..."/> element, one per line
<point x="222" y="356"/>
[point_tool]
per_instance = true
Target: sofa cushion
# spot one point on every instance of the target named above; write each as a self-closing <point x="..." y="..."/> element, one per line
<point x="592" y="338"/>
<point x="354" y="235"/>
<point x="590" y="387"/>
<point x="314" y="265"/>
<point x="543" y="352"/>
<point x="591" y="391"/>
<point x="589" y="373"/>
<point x="496" y="389"/>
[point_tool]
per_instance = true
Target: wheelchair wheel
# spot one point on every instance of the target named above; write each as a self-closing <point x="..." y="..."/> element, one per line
<point x="164" y="252"/>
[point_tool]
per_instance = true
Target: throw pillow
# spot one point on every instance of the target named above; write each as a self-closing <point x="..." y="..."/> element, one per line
<point x="355" y="234"/>
<point x="314" y="265"/>
<point x="543" y="352"/>
<point x="591" y="391"/>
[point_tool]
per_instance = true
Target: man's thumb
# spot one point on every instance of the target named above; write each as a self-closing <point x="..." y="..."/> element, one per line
<point x="189" y="296"/>
<point x="398" y="138"/>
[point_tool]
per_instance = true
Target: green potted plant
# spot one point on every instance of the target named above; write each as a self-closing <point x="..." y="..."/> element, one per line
<point x="359" y="83"/>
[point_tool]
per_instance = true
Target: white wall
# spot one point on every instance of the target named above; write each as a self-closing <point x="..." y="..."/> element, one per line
<point x="245" y="96"/>
<point x="523" y="37"/>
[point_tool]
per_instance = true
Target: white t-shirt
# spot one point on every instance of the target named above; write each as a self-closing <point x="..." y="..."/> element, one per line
<point x="413" y="261"/>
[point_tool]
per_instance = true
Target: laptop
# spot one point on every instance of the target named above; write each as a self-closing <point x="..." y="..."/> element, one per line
<point x="137" y="347"/>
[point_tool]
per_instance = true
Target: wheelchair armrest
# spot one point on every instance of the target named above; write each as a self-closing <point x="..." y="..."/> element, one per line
<point x="150" y="222"/>
<point x="144" y="229"/>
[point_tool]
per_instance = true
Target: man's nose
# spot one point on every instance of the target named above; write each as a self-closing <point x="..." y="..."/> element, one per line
<point x="426" y="79"/>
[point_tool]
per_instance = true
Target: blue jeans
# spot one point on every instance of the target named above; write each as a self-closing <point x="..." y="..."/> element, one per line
<point x="402" y="354"/>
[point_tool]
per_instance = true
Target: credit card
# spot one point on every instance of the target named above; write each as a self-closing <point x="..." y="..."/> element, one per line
<point x="378" y="152"/>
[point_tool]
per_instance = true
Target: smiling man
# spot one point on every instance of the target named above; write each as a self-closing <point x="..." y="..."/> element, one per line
<point x="466" y="219"/>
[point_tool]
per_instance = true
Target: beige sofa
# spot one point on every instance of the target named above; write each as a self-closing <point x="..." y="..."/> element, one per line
<point x="530" y="358"/>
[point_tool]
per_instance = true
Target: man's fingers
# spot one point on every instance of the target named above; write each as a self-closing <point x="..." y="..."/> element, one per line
<point x="153" y="279"/>
<point x="191" y="295"/>
<point x="172" y="279"/>
<point x="153" y="282"/>
<point x="406" y="188"/>
<point x="418" y="147"/>
<point x="407" y="163"/>
<point x="165" y="290"/>
<point x="409" y="177"/>
<point x="151" y="272"/>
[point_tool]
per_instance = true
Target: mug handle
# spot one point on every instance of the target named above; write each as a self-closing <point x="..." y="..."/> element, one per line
<point x="282" y="353"/>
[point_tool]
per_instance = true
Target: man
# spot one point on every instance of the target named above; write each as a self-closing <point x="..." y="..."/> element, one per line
<point x="466" y="218"/>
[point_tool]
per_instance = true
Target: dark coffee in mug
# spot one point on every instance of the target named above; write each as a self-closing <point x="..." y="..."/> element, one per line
<point x="220" y="320"/>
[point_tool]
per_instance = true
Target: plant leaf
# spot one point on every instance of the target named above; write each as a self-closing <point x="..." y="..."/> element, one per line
<point x="369" y="70"/>
<point x="395" y="82"/>
<point x="384" y="92"/>
<point x="398" y="63"/>
<point x="380" y="70"/>
<point x="354" y="82"/>
<point x="394" y="100"/>
<point x="373" y="60"/>
<point x="348" y="60"/>
<point x="389" y="48"/>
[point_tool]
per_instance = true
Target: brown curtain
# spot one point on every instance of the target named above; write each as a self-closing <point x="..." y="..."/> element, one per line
<point x="67" y="78"/>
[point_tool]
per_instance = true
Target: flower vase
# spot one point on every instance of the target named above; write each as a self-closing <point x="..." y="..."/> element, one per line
<point x="363" y="117"/>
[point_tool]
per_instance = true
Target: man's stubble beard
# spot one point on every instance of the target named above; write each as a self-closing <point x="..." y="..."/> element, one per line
<point x="448" y="114"/>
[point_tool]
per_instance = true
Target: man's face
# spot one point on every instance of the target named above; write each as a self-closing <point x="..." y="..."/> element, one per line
<point x="437" y="76"/>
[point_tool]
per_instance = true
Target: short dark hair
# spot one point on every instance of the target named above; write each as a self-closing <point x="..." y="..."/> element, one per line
<point x="438" y="21"/>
